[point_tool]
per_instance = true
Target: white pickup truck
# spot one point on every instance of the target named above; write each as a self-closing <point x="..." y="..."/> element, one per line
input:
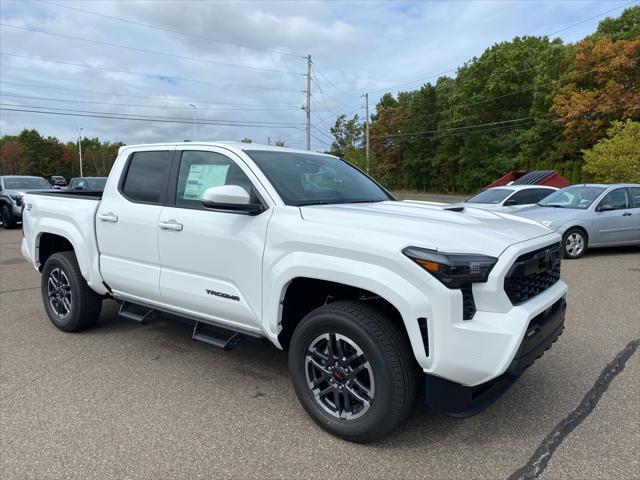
<point x="375" y="299"/>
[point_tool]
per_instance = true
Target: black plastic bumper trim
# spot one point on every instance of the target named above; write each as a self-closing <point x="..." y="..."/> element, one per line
<point x="457" y="400"/>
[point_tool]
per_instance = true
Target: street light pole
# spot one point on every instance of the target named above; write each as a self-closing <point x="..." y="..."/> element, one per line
<point x="195" y="121"/>
<point x="80" y="149"/>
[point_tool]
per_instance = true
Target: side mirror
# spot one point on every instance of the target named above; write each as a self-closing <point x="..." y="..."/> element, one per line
<point x="510" y="202"/>
<point x="230" y="198"/>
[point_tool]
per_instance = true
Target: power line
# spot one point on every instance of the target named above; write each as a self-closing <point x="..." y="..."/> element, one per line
<point x="322" y="133"/>
<point x="170" y="30"/>
<point x="67" y="100"/>
<point x="320" y="141"/>
<point x="149" y="116"/>
<point x="152" y="119"/>
<point x="488" y="124"/>
<point x="568" y="77"/>
<point x="315" y="68"/>
<point x="186" y="101"/>
<point x="152" y="75"/>
<point x="143" y="50"/>
<point x="491" y="125"/>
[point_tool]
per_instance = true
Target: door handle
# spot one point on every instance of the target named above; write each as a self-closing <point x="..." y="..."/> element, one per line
<point x="108" y="217"/>
<point x="171" y="225"/>
<point x="626" y="214"/>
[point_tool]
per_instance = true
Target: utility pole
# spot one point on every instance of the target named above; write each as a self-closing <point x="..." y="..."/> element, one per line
<point x="195" y="121"/>
<point x="366" y="123"/>
<point x="308" y="108"/>
<point x="80" y="149"/>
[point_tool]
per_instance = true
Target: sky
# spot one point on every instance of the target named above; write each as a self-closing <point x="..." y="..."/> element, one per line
<point x="239" y="67"/>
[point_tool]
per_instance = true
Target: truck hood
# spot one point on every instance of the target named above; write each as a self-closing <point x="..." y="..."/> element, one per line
<point x="469" y="230"/>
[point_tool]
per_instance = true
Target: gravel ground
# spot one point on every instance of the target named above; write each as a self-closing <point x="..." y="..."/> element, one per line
<point x="143" y="401"/>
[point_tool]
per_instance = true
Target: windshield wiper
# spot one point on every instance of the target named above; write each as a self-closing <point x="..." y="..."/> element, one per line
<point x="551" y="205"/>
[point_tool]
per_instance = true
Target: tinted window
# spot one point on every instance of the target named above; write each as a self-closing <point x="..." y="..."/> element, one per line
<point x="202" y="170"/>
<point x="635" y="196"/>
<point x="145" y="176"/>
<point x="493" y="195"/>
<point x="26" y="183"/>
<point x="308" y="179"/>
<point x="530" y="195"/>
<point x="578" y="196"/>
<point x="615" y="200"/>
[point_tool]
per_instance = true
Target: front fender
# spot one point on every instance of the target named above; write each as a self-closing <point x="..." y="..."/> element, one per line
<point x="409" y="299"/>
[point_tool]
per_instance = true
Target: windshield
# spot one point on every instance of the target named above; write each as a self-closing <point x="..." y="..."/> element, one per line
<point x="493" y="195"/>
<point x="572" y="197"/>
<point x="25" y="183"/>
<point x="308" y="179"/>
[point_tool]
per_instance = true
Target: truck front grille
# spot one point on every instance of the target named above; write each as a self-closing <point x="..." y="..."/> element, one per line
<point x="532" y="273"/>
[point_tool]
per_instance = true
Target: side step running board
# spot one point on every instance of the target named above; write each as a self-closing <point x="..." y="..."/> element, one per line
<point x="135" y="312"/>
<point x="226" y="339"/>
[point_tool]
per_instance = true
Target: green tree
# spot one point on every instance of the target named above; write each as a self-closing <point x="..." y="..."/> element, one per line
<point x="347" y="134"/>
<point x="616" y="159"/>
<point x="625" y="27"/>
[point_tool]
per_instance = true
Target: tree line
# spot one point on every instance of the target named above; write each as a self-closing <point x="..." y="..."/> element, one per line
<point x="29" y="153"/>
<point x="531" y="103"/>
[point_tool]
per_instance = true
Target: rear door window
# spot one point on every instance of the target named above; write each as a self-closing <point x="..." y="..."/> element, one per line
<point x="635" y="196"/>
<point x="146" y="176"/>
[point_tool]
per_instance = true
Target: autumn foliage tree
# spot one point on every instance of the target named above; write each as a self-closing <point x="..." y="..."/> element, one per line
<point x="604" y="86"/>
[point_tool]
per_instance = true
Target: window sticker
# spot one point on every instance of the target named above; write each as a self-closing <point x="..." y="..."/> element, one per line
<point x="202" y="177"/>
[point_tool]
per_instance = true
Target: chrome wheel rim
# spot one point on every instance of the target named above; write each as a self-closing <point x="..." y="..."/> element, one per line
<point x="574" y="244"/>
<point x="339" y="376"/>
<point x="59" y="293"/>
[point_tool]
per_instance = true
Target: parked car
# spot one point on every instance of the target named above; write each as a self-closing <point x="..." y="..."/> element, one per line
<point x="590" y="216"/>
<point x="87" y="183"/>
<point x="12" y="190"/>
<point x="510" y="198"/>
<point x="375" y="299"/>
<point x="58" y="182"/>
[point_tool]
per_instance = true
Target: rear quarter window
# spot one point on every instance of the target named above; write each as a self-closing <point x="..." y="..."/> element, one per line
<point x="145" y="178"/>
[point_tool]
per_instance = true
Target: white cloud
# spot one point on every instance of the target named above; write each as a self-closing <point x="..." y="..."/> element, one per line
<point x="359" y="46"/>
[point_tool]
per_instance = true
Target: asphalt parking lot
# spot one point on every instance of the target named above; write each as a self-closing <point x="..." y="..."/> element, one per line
<point x="143" y="401"/>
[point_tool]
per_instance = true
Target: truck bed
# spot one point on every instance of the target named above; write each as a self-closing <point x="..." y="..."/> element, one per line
<point x="84" y="194"/>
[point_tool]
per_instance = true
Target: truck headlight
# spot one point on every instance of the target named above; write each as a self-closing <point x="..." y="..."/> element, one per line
<point x="454" y="270"/>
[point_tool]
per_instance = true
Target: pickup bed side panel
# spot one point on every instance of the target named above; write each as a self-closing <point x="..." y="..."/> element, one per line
<point x="71" y="218"/>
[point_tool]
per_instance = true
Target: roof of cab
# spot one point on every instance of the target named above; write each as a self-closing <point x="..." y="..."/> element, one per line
<point x="225" y="144"/>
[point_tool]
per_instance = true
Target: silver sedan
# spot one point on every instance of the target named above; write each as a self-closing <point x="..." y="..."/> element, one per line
<point x="591" y="215"/>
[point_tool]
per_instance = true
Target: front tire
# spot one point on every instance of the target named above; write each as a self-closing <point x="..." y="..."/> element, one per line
<point x="352" y="370"/>
<point x="574" y="243"/>
<point x="8" y="218"/>
<point x="70" y="303"/>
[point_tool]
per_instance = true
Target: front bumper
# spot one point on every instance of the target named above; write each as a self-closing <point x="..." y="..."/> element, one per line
<point x="458" y="400"/>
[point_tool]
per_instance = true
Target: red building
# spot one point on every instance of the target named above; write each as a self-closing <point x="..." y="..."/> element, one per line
<point x="550" y="178"/>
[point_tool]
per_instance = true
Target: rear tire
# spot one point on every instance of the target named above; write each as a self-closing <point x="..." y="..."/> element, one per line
<point x="574" y="243"/>
<point x="382" y="370"/>
<point x="69" y="302"/>
<point x="8" y="218"/>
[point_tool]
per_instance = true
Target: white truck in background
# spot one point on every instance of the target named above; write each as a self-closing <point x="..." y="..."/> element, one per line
<point x="374" y="299"/>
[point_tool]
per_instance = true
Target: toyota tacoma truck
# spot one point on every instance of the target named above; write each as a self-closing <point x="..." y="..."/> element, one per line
<point x="378" y="302"/>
